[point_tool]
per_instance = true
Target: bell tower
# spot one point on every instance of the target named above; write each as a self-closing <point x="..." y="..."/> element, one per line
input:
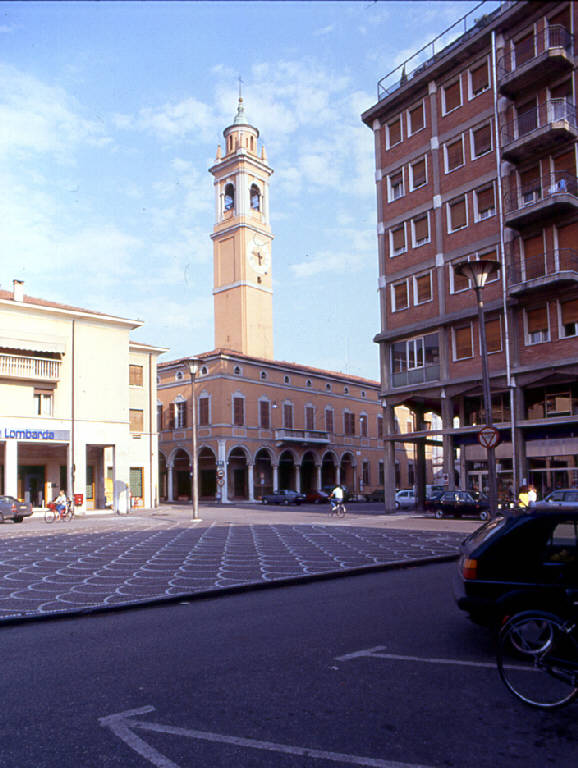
<point x="242" y="284"/>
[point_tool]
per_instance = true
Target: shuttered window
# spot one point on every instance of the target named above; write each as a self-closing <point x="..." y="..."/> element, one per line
<point x="400" y="296"/>
<point x="454" y="154"/>
<point x="180" y="415"/>
<point x="135" y="373"/>
<point x="238" y="411"/>
<point x="423" y="288"/>
<point x="421" y="230"/>
<point x="566" y="162"/>
<point x="349" y="423"/>
<point x="486" y="204"/>
<point x="537" y="319"/>
<point x="264" y="414"/>
<point x="396" y="184"/>
<point x="328" y="420"/>
<point x="416" y="118"/>
<point x="482" y="138"/>
<point x="418" y="173"/>
<point x="494" y="335"/>
<point x="398" y="239"/>
<point x="458" y="215"/>
<point x="203" y="411"/>
<point x="562" y="90"/>
<point x="463" y="342"/>
<point x="380" y="427"/>
<point x="524" y="49"/>
<point x="394" y="132"/>
<point x="461" y="283"/>
<point x="569" y="311"/>
<point x="479" y="78"/>
<point x="363" y="425"/>
<point x="534" y="256"/>
<point x="288" y="416"/>
<point x="309" y="417"/>
<point x="452" y="96"/>
<point x="135" y="420"/>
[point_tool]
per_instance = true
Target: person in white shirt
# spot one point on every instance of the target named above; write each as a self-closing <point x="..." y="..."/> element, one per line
<point x="336" y="497"/>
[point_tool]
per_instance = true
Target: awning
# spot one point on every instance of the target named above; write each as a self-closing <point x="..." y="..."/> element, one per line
<point x="32" y="342"/>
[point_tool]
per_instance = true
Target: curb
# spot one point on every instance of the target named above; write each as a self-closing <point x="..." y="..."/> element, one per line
<point x="207" y="594"/>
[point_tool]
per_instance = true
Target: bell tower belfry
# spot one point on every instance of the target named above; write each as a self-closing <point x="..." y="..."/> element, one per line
<point x="242" y="284"/>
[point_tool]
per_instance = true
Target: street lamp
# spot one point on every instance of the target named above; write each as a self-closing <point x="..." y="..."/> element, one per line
<point x="479" y="272"/>
<point x="193" y="369"/>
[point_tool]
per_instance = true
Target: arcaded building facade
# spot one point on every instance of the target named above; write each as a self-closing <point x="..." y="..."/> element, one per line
<point x="475" y="152"/>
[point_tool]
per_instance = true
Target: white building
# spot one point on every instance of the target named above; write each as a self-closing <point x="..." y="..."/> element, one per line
<point x="77" y="406"/>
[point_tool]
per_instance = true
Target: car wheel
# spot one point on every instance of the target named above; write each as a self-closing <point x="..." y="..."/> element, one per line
<point x="18" y="519"/>
<point x="397" y="504"/>
<point x="439" y="513"/>
<point x="484" y="514"/>
<point x="264" y="501"/>
<point x="286" y="503"/>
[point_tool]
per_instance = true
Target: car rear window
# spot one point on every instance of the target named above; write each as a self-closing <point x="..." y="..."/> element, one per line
<point x="562" y="545"/>
<point x="485" y="532"/>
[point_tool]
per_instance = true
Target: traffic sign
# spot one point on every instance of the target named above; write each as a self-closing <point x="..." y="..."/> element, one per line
<point x="488" y="437"/>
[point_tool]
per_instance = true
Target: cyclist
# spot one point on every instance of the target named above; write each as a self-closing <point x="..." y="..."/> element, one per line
<point x="336" y="497"/>
<point x="60" y="503"/>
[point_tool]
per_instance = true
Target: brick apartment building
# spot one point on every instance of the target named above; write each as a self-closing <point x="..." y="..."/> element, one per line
<point x="475" y="151"/>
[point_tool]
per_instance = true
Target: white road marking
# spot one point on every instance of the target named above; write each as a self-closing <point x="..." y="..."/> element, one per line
<point x="123" y="726"/>
<point x="378" y="652"/>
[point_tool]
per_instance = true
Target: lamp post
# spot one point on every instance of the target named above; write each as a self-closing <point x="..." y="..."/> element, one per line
<point x="479" y="272"/>
<point x="193" y="368"/>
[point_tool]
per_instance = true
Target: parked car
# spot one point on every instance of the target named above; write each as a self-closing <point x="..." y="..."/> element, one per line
<point x="316" y="497"/>
<point x="522" y="561"/>
<point x="283" y="497"/>
<point x="459" y="503"/>
<point x="12" y="509"/>
<point x="566" y="497"/>
<point x="376" y="495"/>
<point x="430" y="501"/>
<point x="405" y="498"/>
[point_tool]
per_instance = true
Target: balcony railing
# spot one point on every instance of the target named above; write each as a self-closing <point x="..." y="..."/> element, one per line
<point x="416" y="375"/>
<point x="302" y="435"/>
<point x="544" y="269"/>
<point x="545" y="123"/>
<point x="537" y="56"/>
<point x="554" y="192"/>
<point x="19" y="367"/>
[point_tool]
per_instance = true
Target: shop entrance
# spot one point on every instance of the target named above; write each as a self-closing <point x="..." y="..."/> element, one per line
<point x="31" y="484"/>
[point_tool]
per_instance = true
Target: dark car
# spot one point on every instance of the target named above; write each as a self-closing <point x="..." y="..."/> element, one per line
<point x="283" y="497"/>
<point x="377" y="495"/>
<point x="518" y="562"/>
<point x="565" y="497"/>
<point x="459" y="503"/>
<point x="316" y="497"/>
<point x="12" y="509"/>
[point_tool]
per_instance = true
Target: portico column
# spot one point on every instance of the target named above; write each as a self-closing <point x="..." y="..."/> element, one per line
<point x="448" y="441"/>
<point x="11" y="468"/>
<point x="275" y="477"/>
<point x="338" y="474"/>
<point x="170" y="476"/>
<point x="250" y="481"/>
<point x="318" y="477"/>
<point x="222" y="454"/>
<point x="298" y="478"/>
<point x="389" y="458"/>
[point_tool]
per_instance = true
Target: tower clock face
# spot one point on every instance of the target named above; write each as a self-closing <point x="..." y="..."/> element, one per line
<point x="260" y="255"/>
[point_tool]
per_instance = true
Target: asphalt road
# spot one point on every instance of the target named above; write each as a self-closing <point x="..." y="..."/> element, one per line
<point x="282" y="678"/>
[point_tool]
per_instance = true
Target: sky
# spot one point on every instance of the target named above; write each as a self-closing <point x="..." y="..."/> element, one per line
<point x="110" y="117"/>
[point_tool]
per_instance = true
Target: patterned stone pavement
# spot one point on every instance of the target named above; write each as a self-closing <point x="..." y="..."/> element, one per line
<point x="90" y="564"/>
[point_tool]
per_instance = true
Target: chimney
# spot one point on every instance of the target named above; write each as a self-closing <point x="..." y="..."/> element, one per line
<point x="18" y="294"/>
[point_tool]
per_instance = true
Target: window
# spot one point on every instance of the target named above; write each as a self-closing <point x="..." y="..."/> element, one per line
<point x="203" y="411"/>
<point x="494" y="335"/>
<point x="309" y="383"/>
<point x="418" y="173"/>
<point x="381" y="473"/>
<point x="394" y="133"/>
<point x="255" y="198"/>
<point x="329" y="419"/>
<point x="264" y="414"/>
<point x="328" y="387"/>
<point x="524" y="48"/>
<point x="481" y="140"/>
<point x="238" y="411"/>
<point x="420" y="230"/>
<point x="458" y="282"/>
<point x="286" y="380"/>
<point x="479" y="79"/>
<point x="179" y="376"/>
<point x="452" y="96"/>
<point x="422" y="288"/>
<point x="180" y="415"/>
<point x="237" y="370"/>
<point x="415" y="119"/>
<point x="159" y="417"/>
<point x="463" y="346"/>
<point x="229" y="197"/>
<point x="346" y="390"/>
<point x="349" y="423"/>
<point x="413" y="354"/>
<point x="537" y="325"/>
<point x="288" y="415"/>
<point x="309" y="417"/>
<point x="396" y="188"/>
<point x="380" y="427"/>
<point x="365" y="472"/>
<point x="568" y="318"/>
<point x="400" y="296"/>
<point x="484" y="201"/>
<point x="263" y="376"/>
<point x="204" y="370"/>
<point x="135" y="375"/>
<point x="363" y="425"/>
<point x="43" y="402"/>
<point x="135" y="420"/>
<point x="457" y="214"/>
<point x="135" y="481"/>
<point x="454" y="154"/>
<point x="397" y="240"/>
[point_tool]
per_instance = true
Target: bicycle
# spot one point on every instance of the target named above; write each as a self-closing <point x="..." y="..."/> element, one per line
<point x="52" y="514"/>
<point x="337" y="510"/>
<point x="538" y="658"/>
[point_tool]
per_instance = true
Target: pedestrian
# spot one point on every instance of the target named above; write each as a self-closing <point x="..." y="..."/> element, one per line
<point x="532" y="496"/>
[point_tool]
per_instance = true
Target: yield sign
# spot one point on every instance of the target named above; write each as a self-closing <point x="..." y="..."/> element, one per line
<point x="488" y="437"/>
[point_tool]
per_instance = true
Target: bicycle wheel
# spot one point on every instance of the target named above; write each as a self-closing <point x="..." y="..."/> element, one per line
<point x="68" y="514"/>
<point x="49" y="516"/>
<point x="340" y="510"/>
<point x="538" y="660"/>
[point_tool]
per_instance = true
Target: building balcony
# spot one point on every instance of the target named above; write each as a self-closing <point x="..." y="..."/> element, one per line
<point x="415" y="376"/>
<point x="540" y="130"/>
<point x="35" y="368"/>
<point x="552" y="269"/>
<point x="541" y="57"/>
<point x="542" y="198"/>
<point x="302" y="436"/>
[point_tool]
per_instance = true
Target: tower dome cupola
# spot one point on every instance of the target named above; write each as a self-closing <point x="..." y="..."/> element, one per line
<point x="241" y="135"/>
